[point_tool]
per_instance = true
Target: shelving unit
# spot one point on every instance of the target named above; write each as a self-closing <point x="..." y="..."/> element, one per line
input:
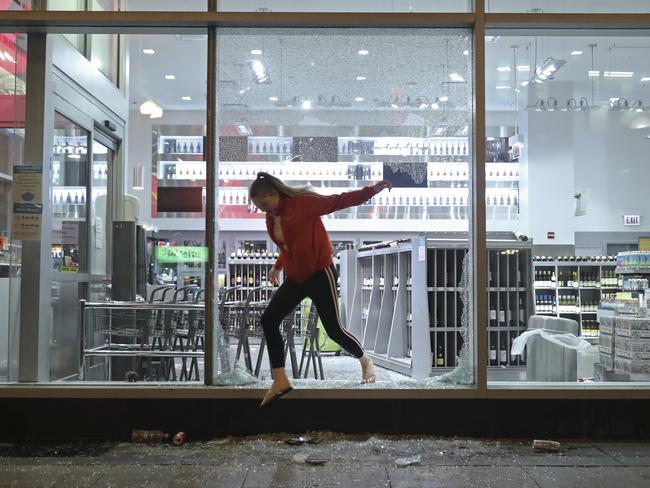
<point x="573" y="289"/>
<point x="414" y="326"/>
<point x="437" y="166"/>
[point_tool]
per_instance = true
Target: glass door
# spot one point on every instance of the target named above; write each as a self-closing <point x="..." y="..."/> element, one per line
<point x="100" y="218"/>
<point x="70" y="178"/>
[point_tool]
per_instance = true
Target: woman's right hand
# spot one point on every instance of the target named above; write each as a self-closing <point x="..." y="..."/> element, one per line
<point x="274" y="277"/>
<point x="382" y="185"/>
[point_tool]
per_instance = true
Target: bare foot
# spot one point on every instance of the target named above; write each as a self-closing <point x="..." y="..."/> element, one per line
<point x="367" y="370"/>
<point x="277" y="390"/>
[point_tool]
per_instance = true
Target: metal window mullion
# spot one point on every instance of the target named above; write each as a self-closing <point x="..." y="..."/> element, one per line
<point x="478" y="223"/>
<point x="211" y="227"/>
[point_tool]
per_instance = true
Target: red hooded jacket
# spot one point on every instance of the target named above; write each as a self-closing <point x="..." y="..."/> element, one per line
<point x="310" y="249"/>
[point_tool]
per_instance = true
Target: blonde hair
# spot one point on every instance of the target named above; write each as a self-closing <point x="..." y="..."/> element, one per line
<point x="266" y="183"/>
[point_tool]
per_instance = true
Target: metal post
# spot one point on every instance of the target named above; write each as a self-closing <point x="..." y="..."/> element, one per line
<point x="478" y="244"/>
<point x="211" y="227"/>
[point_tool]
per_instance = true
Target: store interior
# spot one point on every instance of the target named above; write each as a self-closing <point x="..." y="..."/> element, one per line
<point x="568" y="128"/>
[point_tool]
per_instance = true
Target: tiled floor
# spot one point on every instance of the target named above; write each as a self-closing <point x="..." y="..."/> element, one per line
<point x="355" y="461"/>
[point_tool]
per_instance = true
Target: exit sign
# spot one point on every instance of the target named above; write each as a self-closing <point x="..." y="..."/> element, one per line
<point x="631" y="220"/>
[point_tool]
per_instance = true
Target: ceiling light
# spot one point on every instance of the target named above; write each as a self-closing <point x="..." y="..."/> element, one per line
<point x="456" y="78"/>
<point x="306" y="105"/>
<point x="525" y="83"/>
<point x="435" y="106"/>
<point x="273" y="99"/>
<point x="149" y="51"/>
<point x="503" y="87"/>
<point x="547" y="70"/>
<point x="244" y="129"/>
<point x="576" y="53"/>
<point x="363" y="52"/>
<point x="504" y="69"/>
<point x="147" y="107"/>
<point x="618" y="74"/>
<point x="614" y="100"/>
<point x="361" y="78"/>
<point x="156" y="113"/>
<point x="444" y="98"/>
<point x="523" y="67"/>
<point x="645" y="78"/>
<point x="359" y="99"/>
<point x="260" y="73"/>
<point x="186" y="98"/>
<point x="466" y="52"/>
<point x="170" y="77"/>
<point x="73" y="156"/>
<point x="256" y="52"/>
<point x="593" y="73"/>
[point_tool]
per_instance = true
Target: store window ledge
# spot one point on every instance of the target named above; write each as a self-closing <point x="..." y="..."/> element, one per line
<point x="178" y="392"/>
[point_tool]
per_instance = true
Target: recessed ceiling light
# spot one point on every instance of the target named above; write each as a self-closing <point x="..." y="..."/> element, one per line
<point x="273" y="99"/>
<point x="444" y="98"/>
<point x="361" y="78"/>
<point x="186" y="98"/>
<point x="593" y="73"/>
<point x="256" y="52"/>
<point x="576" y="53"/>
<point x="359" y="99"/>
<point x="466" y="52"/>
<point x="503" y="87"/>
<point x="363" y="52"/>
<point x="645" y="78"/>
<point x="523" y="67"/>
<point x="170" y="77"/>
<point x="618" y="74"/>
<point x="148" y="51"/>
<point x="456" y="78"/>
<point x="306" y="105"/>
<point x="504" y="69"/>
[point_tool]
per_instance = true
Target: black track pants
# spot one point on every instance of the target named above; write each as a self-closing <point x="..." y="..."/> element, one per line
<point x="321" y="288"/>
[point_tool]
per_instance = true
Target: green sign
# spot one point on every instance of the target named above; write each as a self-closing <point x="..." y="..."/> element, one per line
<point x="181" y="254"/>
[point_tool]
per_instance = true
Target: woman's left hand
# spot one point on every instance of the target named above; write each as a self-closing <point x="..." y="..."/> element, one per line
<point x="382" y="185"/>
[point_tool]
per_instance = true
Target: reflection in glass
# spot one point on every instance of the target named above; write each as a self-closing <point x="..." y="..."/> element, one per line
<point x="567" y="6"/>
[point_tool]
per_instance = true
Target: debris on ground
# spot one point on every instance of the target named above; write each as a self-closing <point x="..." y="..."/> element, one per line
<point x="179" y="438"/>
<point x="315" y="460"/>
<point x="298" y="441"/>
<point x="408" y="461"/>
<point x="546" y="445"/>
<point x="151" y="436"/>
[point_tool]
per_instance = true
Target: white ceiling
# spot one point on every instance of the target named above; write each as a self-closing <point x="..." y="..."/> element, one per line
<point x="400" y="63"/>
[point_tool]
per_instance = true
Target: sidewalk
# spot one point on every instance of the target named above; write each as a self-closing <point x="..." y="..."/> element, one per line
<point x="354" y="461"/>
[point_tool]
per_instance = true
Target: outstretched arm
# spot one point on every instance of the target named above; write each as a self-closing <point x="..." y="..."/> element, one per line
<point x="324" y="204"/>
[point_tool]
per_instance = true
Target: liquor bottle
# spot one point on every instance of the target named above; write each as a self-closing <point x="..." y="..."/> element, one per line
<point x="440" y="357"/>
<point x="493" y="354"/>
<point x="503" y="353"/>
<point x="493" y="315"/>
<point x="502" y="315"/>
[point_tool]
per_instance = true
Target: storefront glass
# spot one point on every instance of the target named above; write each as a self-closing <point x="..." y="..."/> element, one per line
<point x="570" y="6"/>
<point x="340" y="109"/>
<point x="568" y="116"/>
<point x="13" y="63"/>
<point x="15" y="5"/>
<point x="343" y="6"/>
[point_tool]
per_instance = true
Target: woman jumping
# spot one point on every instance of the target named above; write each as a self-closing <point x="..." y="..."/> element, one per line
<point x="294" y="224"/>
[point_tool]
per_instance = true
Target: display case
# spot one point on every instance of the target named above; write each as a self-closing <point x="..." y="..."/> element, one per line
<point x="573" y="287"/>
<point x="405" y="300"/>
<point x="430" y="175"/>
